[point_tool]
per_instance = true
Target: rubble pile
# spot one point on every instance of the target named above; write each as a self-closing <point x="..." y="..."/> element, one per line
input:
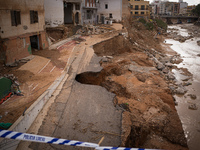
<point x="94" y="30"/>
<point x="165" y="64"/>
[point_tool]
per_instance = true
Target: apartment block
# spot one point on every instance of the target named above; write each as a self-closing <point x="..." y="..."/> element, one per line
<point x="139" y="8"/>
<point x="21" y="28"/>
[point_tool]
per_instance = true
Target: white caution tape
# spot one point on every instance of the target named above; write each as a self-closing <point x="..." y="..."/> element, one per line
<point x="50" y="140"/>
<point x="120" y="148"/>
<point x="43" y="139"/>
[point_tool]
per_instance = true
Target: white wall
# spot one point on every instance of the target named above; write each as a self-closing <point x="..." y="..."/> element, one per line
<point x="114" y="7"/>
<point x="24" y="6"/>
<point x="54" y="12"/>
<point x="183" y="5"/>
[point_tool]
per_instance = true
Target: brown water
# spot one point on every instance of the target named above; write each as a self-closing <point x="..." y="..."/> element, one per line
<point x="190" y="118"/>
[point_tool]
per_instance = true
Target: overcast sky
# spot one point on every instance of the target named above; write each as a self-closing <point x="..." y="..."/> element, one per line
<point x="190" y="2"/>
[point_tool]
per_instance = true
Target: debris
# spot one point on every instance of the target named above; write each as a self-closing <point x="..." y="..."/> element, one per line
<point x="52" y="39"/>
<point x="181" y="90"/>
<point x="198" y="42"/>
<point x="5" y="125"/>
<point x="193" y="107"/>
<point x="192" y="96"/>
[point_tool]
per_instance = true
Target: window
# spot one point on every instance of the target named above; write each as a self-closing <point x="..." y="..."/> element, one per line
<point x="77" y="7"/>
<point x="106" y="6"/>
<point x="15" y="18"/>
<point x="131" y="12"/>
<point x="142" y="7"/>
<point x="142" y="13"/>
<point x="136" y="12"/>
<point x="33" y="16"/>
<point x="131" y="6"/>
<point x="137" y="0"/>
<point x="89" y="14"/>
<point x="136" y="7"/>
<point x="110" y="16"/>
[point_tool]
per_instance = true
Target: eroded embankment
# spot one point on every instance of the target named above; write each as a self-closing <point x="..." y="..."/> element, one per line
<point x="149" y="119"/>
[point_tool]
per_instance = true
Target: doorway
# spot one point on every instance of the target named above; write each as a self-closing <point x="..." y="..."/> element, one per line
<point x="77" y="18"/>
<point x="34" y="40"/>
<point x="68" y="13"/>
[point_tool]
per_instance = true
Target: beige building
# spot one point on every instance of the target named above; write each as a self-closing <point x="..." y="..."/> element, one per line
<point x="139" y="8"/>
<point x="21" y="28"/>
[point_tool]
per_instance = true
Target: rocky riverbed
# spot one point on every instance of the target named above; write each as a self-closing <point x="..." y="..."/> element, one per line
<point x="184" y="40"/>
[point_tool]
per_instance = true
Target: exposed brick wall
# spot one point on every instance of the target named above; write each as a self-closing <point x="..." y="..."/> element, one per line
<point x="43" y="40"/>
<point x="17" y="49"/>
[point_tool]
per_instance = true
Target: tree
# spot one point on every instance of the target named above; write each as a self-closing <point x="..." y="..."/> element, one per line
<point x="196" y="11"/>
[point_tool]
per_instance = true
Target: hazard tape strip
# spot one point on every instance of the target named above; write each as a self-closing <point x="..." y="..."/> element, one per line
<point x="43" y="139"/>
<point x="120" y="148"/>
<point x="50" y="140"/>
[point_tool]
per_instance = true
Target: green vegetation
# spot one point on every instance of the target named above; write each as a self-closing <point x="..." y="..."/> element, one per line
<point x="196" y="11"/>
<point x="150" y="25"/>
<point x="161" y="24"/>
<point x="142" y="20"/>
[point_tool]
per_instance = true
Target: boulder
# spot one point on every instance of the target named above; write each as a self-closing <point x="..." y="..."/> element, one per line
<point x="170" y="76"/>
<point x="192" y="96"/>
<point x="181" y="90"/>
<point x="193" y="107"/>
<point x="165" y="70"/>
<point x="160" y="66"/>
<point x="169" y="64"/>
<point x="198" y="42"/>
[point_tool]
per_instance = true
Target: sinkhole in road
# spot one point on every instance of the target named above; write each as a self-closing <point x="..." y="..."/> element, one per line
<point x="111" y="47"/>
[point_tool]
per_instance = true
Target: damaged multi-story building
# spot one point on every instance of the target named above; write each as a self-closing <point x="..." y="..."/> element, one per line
<point x="21" y="29"/>
<point x="75" y="12"/>
<point x="109" y="10"/>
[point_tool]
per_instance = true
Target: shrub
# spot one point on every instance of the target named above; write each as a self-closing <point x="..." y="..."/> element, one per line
<point x="161" y="24"/>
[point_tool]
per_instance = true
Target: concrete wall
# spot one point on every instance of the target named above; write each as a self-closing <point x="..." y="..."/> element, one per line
<point x="54" y="12"/>
<point x="114" y="8"/>
<point x="6" y="28"/>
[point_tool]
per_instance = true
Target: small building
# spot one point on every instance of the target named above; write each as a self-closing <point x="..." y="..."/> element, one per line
<point x="21" y="28"/>
<point x="139" y="8"/>
<point x="62" y="12"/>
<point x="89" y="12"/>
<point x="109" y="9"/>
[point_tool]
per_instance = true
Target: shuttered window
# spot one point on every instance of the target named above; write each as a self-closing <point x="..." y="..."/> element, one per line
<point x="15" y="17"/>
<point x="33" y="16"/>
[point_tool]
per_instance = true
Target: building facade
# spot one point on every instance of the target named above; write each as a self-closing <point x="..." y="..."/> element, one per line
<point x="189" y="9"/>
<point x="139" y="8"/>
<point x="89" y="12"/>
<point x="22" y="27"/>
<point x="62" y="12"/>
<point x="110" y="9"/>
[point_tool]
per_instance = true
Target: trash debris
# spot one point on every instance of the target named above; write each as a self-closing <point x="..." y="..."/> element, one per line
<point x="5" y="125"/>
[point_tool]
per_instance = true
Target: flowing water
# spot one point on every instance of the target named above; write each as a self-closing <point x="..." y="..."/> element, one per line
<point x="190" y="119"/>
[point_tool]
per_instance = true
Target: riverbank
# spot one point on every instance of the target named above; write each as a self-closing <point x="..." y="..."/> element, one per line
<point x="184" y="41"/>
